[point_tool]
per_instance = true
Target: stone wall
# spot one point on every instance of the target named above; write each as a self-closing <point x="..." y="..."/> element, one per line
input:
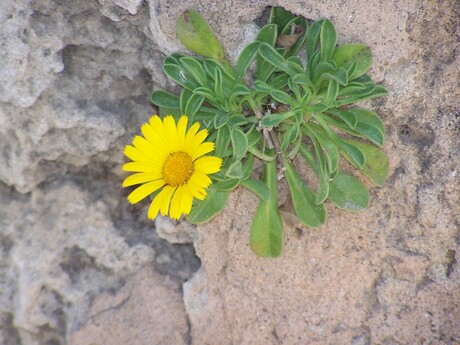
<point x="79" y="265"/>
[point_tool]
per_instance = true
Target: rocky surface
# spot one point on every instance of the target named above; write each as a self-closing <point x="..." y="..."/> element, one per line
<point x="79" y="265"/>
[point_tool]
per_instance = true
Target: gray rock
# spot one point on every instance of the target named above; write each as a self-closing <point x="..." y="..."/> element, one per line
<point x="75" y="78"/>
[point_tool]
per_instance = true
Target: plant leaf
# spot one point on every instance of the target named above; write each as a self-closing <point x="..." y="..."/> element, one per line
<point x="303" y="199"/>
<point x="266" y="236"/>
<point x="204" y="210"/>
<point x="313" y="35"/>
<point x="280" y="17"/>
<point x="196" y="35"/>
<point x="257" y="187"/>
<point x="348" y="193"/>
<point x="226" y="185"/>
<point x="268" y="35"/>
<point x="235" y="170"/>
<point x="222" y="141"/>
<point x="282" y="97"/>
<point x="193" y="105"/>
<point x="181" y="76"/>
<point x="165" y="99"/>
<point x="358" y="53"/>
<point x="274" y="119"/>
<point x="369" y="125"/>
<point x="195" y="68"/>
<point x="318" y="168"/>
<point x="268" y="53"/>
<point x="239" y="143"/>
<point x="328" y="40"/>
<point x="377" y="164"/>
<point x="247" y="167"/>
<point x="247" y="56"/>
<point x="221" y="119"/>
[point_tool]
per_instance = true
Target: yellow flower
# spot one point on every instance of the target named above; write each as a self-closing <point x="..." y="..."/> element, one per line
<point x="173" y="159"/>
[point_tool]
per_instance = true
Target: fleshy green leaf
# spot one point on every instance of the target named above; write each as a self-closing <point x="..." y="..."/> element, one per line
<point x="267" y="35"/>
<point x="347" y="54"/>
<point x="222" y="141"/>
<point x="280" y="17"/>
<point x="181" y="76"/>
<point x="196" y="35"/>
<point x="253" y="136"/>
<point x="377" y="165"/>
<point x="266" y="236"/>
<point x="332" y="92"/>
<point x="313" y="35"/>
<point x="165" y="99"/>
<point x="274" y="119"/>
<point x="193" y="105"/>
<point x="184" y="97"/>
<point x="370" y="91"/>
<point x="318" y="168"/>
<point x="369" y="125"/>
<point x="247" y="56"/>
<point x="340" y="76"/>
<point x="328" y="40"/>
<point x="195" y="68"/>
<point x="221" y="120"/>
<point x="235" y="170"/>
<point x="261" y="86"/>
<point x="269" y="54"/>
<point x="247" y="167"/>
<point x="352" y="151"/>
<point x="346" y="116"/>
<point x="239" y="143"/>
<point x="322" y="68"/>
<point x="204" y="210"/>
<point x="282" y="97"/>
<point x="348" y="193"/>
<point x="329" y="149"/>
<point x="303" y="199"/>
<point x="226" y="185"/>
<point x="257" y="187"/>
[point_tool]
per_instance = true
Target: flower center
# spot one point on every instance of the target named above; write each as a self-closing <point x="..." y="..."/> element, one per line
<point x="178" y="168"/>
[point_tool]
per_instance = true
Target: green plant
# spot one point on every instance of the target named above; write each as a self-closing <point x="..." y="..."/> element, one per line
<point x="293" y="107"/>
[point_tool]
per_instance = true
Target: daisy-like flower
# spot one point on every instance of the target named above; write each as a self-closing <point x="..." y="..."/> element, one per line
<point x="170" y="158"/>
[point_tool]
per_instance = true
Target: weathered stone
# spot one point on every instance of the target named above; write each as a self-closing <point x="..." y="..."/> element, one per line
<point x="75" y="78"/>
<point x="147" y="310"/>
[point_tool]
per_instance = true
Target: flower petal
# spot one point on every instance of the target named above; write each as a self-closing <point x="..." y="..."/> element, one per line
<point x="167" y="194"/>
<point x="155" y="137"/>
<point x="175" y="210"/>
<point x="139" y="167"/>
<point x="202" y="150"/>
<point x="208" y="164"/>
<point x="200" y="179"/>
<point x="196" y="191"/>
<point x="191" y="134"/>
<point x="145" y="190"/>
<point x="198" y="139"/>
<point x="181" y="129"/>
<point x="134" y="154"/>
<point x="187" y="200"/>
<point x="142" y="177"/>
<point x="171" y="132"/>
<point x="144" y="146"/>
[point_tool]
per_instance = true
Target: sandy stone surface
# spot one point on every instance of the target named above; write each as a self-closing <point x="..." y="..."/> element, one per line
<point x="149" y="306"/>
<point x="79" y="265"/>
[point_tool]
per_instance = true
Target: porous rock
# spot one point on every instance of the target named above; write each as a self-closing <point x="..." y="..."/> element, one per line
<point x="75" y="79"/>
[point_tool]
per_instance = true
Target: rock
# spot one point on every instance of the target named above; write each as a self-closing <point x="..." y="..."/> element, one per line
<point x="76" y="259"/>
<point x="147" y="310"/>
<point x="62" y="251"/>
<point x="173" y="231"/>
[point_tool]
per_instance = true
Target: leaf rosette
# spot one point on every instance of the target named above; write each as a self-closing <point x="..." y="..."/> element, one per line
<point x="296" y="106"/>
